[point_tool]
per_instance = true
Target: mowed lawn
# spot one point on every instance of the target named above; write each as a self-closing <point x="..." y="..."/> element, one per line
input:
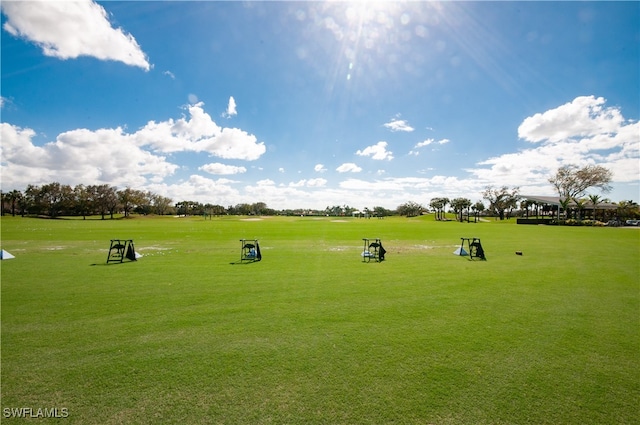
<point x="313" y="335"/>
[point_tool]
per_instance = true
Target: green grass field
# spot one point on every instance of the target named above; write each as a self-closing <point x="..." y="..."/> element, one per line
<point x="311" y="334"/>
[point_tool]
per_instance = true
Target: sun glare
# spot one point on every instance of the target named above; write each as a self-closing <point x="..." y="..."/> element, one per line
<point x="374" y="39"/>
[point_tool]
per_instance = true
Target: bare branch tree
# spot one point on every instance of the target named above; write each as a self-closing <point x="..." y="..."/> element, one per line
<point x="571" y="182"/>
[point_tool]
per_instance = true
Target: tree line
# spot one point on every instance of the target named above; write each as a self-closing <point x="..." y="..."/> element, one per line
<point x="570" y="182"/>
<point x="55" y="199"/>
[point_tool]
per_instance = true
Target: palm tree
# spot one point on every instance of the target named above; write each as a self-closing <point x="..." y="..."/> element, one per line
<point x="439" y="204"/>
<point x="564" y="203"/>
<point x="459" y="205"/>
<point x="524" y="205"/>
<point x="595" y="199"/>
<point x="580" y="203"/>
<point x="478" y="207"/>
<point x="14" y="197"/>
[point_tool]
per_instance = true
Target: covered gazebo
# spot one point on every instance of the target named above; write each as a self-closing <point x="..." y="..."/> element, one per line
<point x="555" y="205"/>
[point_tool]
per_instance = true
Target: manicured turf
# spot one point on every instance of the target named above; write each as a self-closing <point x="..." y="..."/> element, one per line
<point x="313" y="335"/>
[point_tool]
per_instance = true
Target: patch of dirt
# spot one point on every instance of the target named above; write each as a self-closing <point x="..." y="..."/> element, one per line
<point x="343" y="248"/>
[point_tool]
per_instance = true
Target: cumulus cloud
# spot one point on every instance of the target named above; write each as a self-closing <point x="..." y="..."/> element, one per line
<point x="69" y="29"/>
<point x="218" y="168"/>
<point x="378" y="151"/>
<point x="585" y="116"/>
<point x="78" y="156"/>
<point x="200" y="189"/>
<point x="348" y="167"/>
<point x="199" y="133"/>
<point x="583" y="131"/>
<point x="319" y="168"/>
<point x="398" y="125"/>
<point x="116" y="157"/>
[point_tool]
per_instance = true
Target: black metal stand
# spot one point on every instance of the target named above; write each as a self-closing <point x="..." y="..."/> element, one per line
<point x="475" y="248"/>
<point x="250" y="250"/>
<point x="120" y="250"/>
<point x="373" y="250"/>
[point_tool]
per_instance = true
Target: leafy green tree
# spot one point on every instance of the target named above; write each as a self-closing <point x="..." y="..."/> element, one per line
<point x="82" y="200"/>
<point x="381" y="212"/>
<point x="410" y="209"/>
<point x="161" y="204"/>
<point x="106" y="199"/>
<point x="129" y="199"/>
<point x="56" y="197"/>
<point x="501" y="200"/>
<point x="628" y="210"/>
<point x="259" y="208"/>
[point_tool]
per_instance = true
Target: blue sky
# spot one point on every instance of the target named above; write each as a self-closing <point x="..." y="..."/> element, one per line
<point x="315" y="104"/>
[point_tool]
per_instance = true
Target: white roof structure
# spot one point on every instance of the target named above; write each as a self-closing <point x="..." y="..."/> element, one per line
<point x="555" y="200"/>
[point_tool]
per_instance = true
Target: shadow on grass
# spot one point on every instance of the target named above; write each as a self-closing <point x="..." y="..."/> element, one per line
<point x="242" y="262"/>
<point x="112" y="263"/>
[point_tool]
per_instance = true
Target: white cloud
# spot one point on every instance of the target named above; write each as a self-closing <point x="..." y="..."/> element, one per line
<point x="300" y="183"/>
<point x="232" y="143"/>
<point x="170" y="74"/>
<point x="69" y="29"/>
<point x="115" y="157"/>
<point x="378" y="151"/>
<point x="200" y="189"/>
<point x="136" y="159"/>
<point x="231" y="108"/>
<point x="318" y="182"/>
<point x="218" y="168"/>
<point x="105" y="156"/>
<point x="309" y="183"/>
<point x="580" y="132"/>
<point x="199" y="134"/>
<point x="348" y="167"/>
<point x="398" y="125"/>
<point x="424" y="143"/>
<point x="266" y="182"/>
<point x="427" y="142"/>
<point x="585" y="116"/>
